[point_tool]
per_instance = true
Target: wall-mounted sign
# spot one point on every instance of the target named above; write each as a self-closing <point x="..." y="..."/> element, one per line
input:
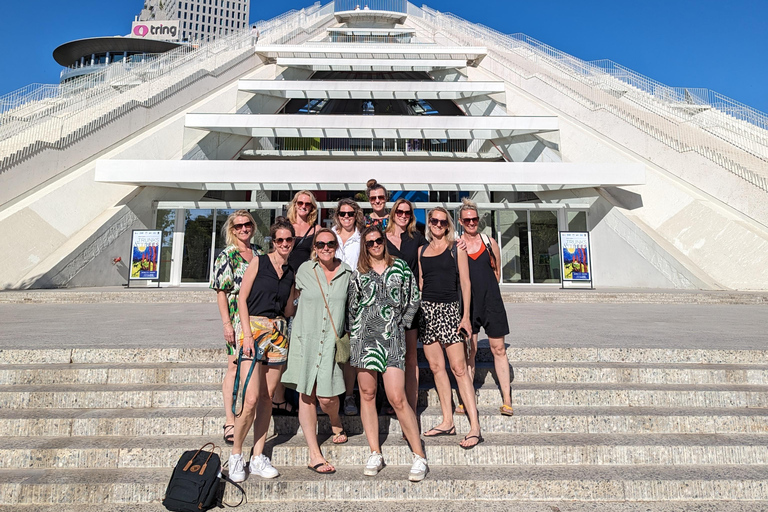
<point x="145" y="254"/>
<point x="575" y="253"/>
<point x="166" y="30"/>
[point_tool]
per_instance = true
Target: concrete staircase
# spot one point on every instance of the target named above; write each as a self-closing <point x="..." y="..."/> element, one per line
<point x="594" y="429"/>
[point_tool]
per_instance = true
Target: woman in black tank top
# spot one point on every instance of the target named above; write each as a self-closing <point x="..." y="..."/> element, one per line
<point x="302" y="213"/>
<point x="444" y="281"/>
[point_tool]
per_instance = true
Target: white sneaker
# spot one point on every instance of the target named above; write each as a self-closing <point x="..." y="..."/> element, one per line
<point x="236" y="468"/>
<point x="374" y="465"/>
<point x="261" y="466"/>
<point x="419" y="469"/>
<point x="350" y="409"/>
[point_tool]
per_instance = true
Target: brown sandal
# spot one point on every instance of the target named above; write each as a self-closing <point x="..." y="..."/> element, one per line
<point x="506" y="410"/>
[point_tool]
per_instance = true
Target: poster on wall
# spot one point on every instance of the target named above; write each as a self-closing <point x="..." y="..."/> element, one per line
<point x="145" y="254"/>
<point x="575" y="251"/>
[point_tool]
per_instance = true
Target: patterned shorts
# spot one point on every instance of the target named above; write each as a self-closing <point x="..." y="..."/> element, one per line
<point x="439" y="321"/>
<point x="270" y="339"/>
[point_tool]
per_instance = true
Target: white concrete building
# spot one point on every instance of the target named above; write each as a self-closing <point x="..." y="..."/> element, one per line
<point x="670" y="183"/>
<point x="200" y="20"/>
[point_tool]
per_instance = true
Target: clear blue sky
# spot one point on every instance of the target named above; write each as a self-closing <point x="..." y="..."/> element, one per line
<point x="719" y="45"/>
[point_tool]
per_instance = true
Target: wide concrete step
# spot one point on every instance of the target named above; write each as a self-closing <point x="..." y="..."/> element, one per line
<point x="207" y="421"/>
<point x="116" y="396"/>
<point x="571" y="483"/>
<point x="514" y="354"/>
<point x="497" y="449"/>
<point x="211" y="373"/>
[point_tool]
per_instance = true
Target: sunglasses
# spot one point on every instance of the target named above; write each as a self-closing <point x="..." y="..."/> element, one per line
<point x="302" y="204"/>
<point x="238" y="227"/>
<point x="403" y="213"/>
<point x="322" y="245"/>
<point x="443" y="223"/>
<point x="377" y="198"/>
<point x="346" y="214"/>
<point x="468" y="220"/>
<point x="376" y="241"/>
<point x="279" y="241"/>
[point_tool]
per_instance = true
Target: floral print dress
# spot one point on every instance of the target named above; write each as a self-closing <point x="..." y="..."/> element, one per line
<point x="380" y="308"/>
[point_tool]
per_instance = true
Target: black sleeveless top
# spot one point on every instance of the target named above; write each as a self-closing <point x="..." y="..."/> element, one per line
<point x="439" y="272"/>
<point x="302" y="249"/>
<point x="269" y="295"/>
<point x="409" y="250"/>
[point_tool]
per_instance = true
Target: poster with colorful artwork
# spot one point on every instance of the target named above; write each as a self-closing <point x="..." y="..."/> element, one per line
<point x="574" y="246"/>
<point x="145" y="254"/>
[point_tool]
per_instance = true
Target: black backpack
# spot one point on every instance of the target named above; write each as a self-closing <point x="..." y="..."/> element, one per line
<point x="197" y="483"/>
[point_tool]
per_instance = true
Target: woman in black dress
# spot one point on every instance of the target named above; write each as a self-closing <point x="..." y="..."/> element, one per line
<point x="403" y="241"/>
<point x="487" y="310"/>
<point x="302" y="214"/>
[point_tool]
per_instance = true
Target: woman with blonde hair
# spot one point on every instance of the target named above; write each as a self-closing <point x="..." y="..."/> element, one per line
<point x="383" y="298"/>
<point x="348" y="219"/>
<point x="404" y="241"/>
<point x="377" y="197"/>
<point x="444" y="327"/>
<point x="302" y="214"/>
<point x="312" y="369"/>
<point x="227" y="276"/>
<point x="487" y="308"/>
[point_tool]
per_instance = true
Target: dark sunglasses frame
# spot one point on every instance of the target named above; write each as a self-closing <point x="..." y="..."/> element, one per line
<point x="278" y="241"/>
<point x="377" y="198"/>
<point x="443" y="223"/>
<point x="403" y="213"/>
<point x="308" y="204"/>
<point x="346" y="214"/>
<point x="471" y="219"/>
<point x="375" y="241"/>
<point x="321" y="245"/>
<point x="238" y="227"/>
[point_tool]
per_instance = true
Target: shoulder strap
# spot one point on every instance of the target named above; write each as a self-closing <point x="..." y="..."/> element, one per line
<point x="322" y="294"/>
<point x="244" y="496"/>
<point x="487" y="242"/>
<point x="423" y="249"/>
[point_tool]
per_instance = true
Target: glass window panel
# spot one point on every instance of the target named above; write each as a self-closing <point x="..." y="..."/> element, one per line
<point x="513" y="226"/>
<point x="166" y="220"/>
<point x="546" y="264"/>
<point x="577" y="221"/>
<point x="198" y="230"/>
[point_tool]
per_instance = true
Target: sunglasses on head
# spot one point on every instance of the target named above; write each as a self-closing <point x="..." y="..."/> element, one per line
<point x="238" y="227"/>
<point x="377" y="198"/>
<point x="443" y="223"/>
<point x="288" y="240"/>
<point x="468" y="220"/>
<point x="322" y="245"/>
<point x="403" y="213"/>
<point x="375" y="241"/>
<point x="302" y="204"/>
<point x="346" y="214"/>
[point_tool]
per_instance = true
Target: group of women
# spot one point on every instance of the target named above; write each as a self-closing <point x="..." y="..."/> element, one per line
<point x="377" y="280"/>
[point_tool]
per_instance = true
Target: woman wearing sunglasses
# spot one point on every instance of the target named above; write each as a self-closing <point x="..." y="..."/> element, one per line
<point x="444" y="327"/>
<point x="377" y="196"/>
<point x="302" y="213"/>
<point x="487" y="308"/>
<point x="403" y="241"/>
<point x="312" y="369"/>
<point x="227" y="276"/>
<point x="349" y="220"/>
<point x="264" y="301"/>
<point x="383" y="299"/>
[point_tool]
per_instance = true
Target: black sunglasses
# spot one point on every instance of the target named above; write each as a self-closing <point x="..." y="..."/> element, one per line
<point x="403" y="213"/>
<point x="346" y="214"/>
<point x="443" y="223"/>
<point x="238" y="227"/>
<point x="467" y="220"/>
<point x="375" y="241"/>
<point x="322" y="245"/>
<point x="281" y="240"/>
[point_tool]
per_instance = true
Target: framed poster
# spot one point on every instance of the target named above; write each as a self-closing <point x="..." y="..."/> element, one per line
<point x="145" y="254"/>
<point x="575" y="253"/>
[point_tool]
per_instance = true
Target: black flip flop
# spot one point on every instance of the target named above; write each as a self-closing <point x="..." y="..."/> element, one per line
<point x="479" y="440"/>
<point x="440" y="432"/>
<point x="317" y="466"/>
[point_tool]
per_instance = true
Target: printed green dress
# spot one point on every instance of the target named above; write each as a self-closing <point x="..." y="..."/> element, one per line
<point x="228" y="271"/>
<point x="380" y="308"/>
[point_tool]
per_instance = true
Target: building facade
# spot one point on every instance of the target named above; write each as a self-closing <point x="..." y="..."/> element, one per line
<point x="670" y="184"/>
<point x="200" y="20"/>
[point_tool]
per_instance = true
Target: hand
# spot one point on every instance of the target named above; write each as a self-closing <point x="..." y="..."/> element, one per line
<point x="249" y="349"/>
<point x="467" y="325"/>
<point x="461" y="244"/>
<point x="229" y="334"/>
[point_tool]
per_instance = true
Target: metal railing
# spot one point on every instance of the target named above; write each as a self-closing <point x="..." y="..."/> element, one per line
<point x="358" y="144"/>
<point x="728" y="133"/>
<point x="374" y="5"/>
<point x="43" y="116"/>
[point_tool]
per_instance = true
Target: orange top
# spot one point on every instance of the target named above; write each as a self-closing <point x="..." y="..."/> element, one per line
<point x="477" y="254"/>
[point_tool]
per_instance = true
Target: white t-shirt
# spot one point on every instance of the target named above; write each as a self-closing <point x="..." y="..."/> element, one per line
<point x="349" y="252"/>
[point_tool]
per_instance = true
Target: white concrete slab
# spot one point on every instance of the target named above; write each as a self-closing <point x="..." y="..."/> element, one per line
<point x="320" y="64"/>
<point x="380" y="127"/>
<point x="355" y="89"/>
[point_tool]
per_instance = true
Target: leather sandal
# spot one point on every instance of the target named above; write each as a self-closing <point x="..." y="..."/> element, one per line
<point x="229" y="434"/>
<point x="506" y="410"/>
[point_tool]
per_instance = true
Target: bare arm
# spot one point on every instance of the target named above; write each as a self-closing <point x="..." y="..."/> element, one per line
<point x="466" y="289"/>
<point x="242" y="304"/>
<point x="229" y="331"/>
<point x="497" y="258"/>
<point x="421" y="274"/>
<point x="290" y="308"/>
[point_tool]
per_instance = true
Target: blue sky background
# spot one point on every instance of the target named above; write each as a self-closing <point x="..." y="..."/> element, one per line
<point x="719" y="45"/>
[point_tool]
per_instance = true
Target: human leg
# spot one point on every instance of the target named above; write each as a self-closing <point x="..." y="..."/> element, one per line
<point x="367" y="382"/>
<point x="227" y="387"/>
<point x="277" y="390"/>
<point x="457" y="360"/>
<point x="501" y="365"/>
<point x="308" y="422"/>
<point x="436" y="359"/>
<point x="330" y="406"/>
<point x="260" y="464"/>
<point x="411" y="368"/>
<point x="243" y="422"/>
<point x="394" y="386"/>
<point x="350" y="408"/>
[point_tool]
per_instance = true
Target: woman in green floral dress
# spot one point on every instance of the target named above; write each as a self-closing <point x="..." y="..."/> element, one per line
<point x="383" y="299"/>
<point x="227" y="275"/>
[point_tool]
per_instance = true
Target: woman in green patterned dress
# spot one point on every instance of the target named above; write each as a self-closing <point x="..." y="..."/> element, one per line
<point x="383" y="299"/>
<point x="227" y="275"/>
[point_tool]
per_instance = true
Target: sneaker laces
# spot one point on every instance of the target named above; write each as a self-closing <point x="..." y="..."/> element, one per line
<point x="374" y="460"/>
<point x="419" y="464"/>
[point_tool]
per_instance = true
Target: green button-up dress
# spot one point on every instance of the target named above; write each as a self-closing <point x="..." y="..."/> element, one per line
<point x="311" y="356"/>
